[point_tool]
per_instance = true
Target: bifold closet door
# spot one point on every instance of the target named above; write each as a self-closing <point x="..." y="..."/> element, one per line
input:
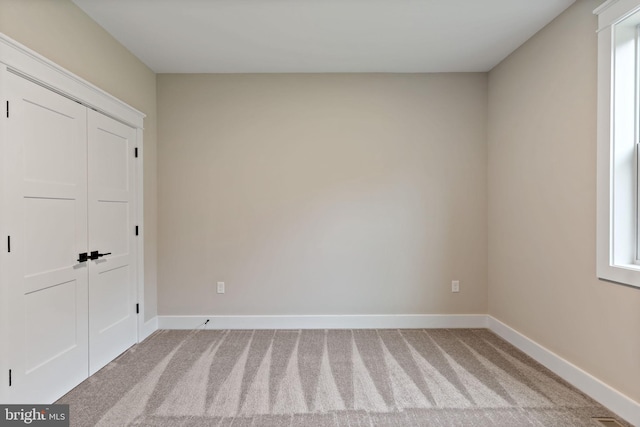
<point x="45" y="210"/>
<point x="112" y="291"/>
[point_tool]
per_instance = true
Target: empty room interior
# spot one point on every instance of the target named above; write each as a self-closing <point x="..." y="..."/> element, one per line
<point x="321" y="213"/>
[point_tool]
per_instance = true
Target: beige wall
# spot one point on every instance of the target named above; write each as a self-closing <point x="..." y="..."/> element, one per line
<point x="331" y="194"/>
<point x="60" y="31"/>
<point x="542" y="205"/>
<point x="322" y="194"/>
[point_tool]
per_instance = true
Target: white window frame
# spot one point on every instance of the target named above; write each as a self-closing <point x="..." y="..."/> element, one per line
<point x="618" y="181"/>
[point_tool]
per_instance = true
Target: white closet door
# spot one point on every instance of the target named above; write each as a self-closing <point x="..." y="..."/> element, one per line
<point x="46" y="204"/>
<point x="112" y="290"/>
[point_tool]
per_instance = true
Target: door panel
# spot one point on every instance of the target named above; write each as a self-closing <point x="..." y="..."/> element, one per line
<point x="112" y="291"/>
<point x="46" y="164"/>
<point x="55" y="337"/>
<point x="111" y="170"/>
<point x="43" y="161"/>
<point x="49" y="248"/>
<point x="113" y="230"/>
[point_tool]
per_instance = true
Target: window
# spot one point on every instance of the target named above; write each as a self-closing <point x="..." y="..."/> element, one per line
<point x="618" y="232"/>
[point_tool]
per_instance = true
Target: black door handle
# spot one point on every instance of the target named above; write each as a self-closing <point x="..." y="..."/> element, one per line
<point x="83" y="257"/>
<point x="95" y="255"/>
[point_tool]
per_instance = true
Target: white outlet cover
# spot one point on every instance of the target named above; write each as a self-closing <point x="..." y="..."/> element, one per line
<point x="455" y="286"/>
<point x="220" y="287"/>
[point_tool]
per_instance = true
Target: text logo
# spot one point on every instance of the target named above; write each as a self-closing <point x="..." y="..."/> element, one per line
<point x="34" y="415"/>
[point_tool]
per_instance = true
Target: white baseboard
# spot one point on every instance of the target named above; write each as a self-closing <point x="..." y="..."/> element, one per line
<point x="617" y="402"/>
<point x="366" y="321"/>
<point x="149" y="327"/>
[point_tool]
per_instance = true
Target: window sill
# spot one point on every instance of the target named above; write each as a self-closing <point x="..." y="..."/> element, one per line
<point x="625" y="274"/>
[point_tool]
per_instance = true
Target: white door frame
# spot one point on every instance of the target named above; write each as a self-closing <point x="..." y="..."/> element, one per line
<point x="17" y="58"/>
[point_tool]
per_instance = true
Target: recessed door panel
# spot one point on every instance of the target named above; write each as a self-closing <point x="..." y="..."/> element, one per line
<point x="114" y="231"/>
<point x="50" y="339"/>
<point x="46" y="215"/>
<point x="50" y="227"/>
<point x="112" y="151"/>
<point x="111" y="288"/>
<point x="48" y="152"/>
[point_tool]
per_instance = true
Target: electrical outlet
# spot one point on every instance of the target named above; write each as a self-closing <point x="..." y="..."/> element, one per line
<point x="221" y="287"/>
<point x="455" y="286"/>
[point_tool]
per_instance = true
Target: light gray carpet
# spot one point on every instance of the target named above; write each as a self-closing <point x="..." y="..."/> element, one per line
<point x="435" y="377"/>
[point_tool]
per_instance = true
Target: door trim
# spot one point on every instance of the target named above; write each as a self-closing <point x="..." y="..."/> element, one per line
<point x="19" y="58"/>
<point x="139" y="216"/>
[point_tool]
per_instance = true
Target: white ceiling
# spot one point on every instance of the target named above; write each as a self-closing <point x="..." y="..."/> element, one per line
<point x="269" y="36"/>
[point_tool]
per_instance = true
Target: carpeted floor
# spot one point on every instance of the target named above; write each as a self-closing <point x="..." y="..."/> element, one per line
<point x="435" y="377"/>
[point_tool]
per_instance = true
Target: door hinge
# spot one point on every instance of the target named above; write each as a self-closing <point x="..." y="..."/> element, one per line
<point x="9" y="377"/>
<point x="136" y="230"/>
<point x="7" y="109"/>
<point x="137" y="308"/>
<point x="8" y="243"/>
<point x="136" y="152"/>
